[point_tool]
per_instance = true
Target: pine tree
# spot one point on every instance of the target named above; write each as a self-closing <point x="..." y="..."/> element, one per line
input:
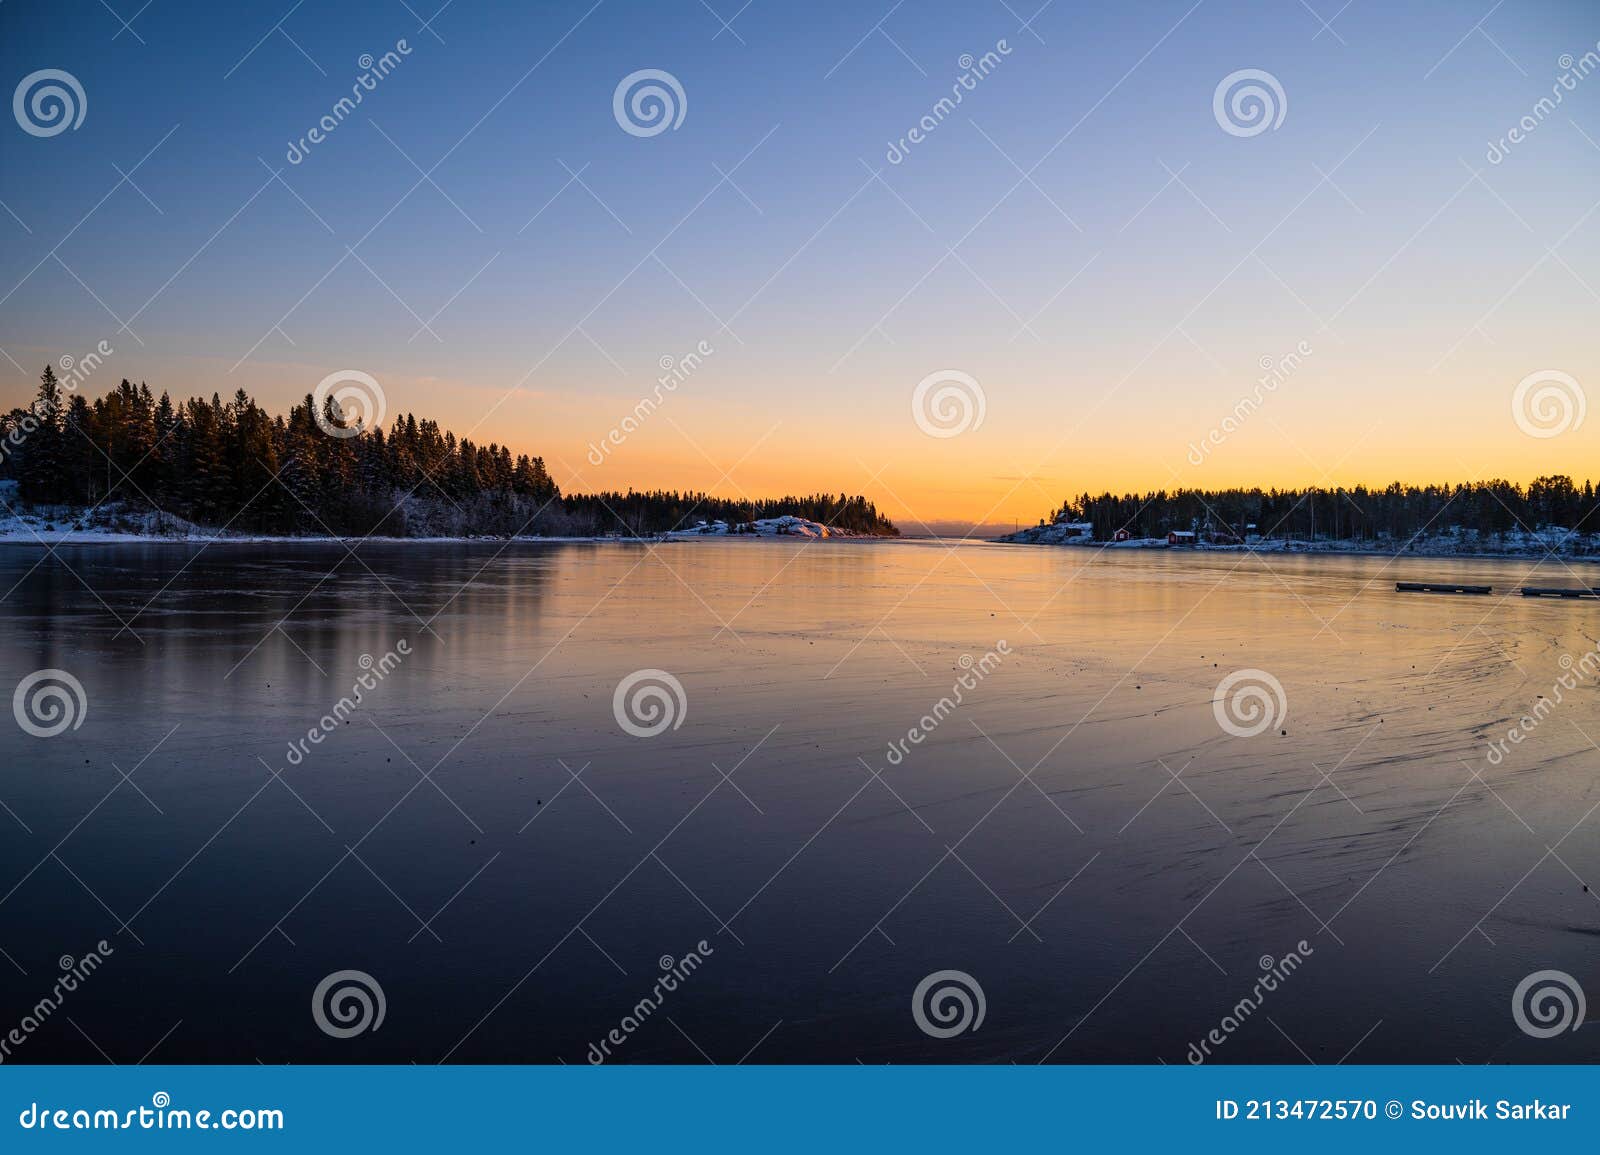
<point x="41" y="474"/>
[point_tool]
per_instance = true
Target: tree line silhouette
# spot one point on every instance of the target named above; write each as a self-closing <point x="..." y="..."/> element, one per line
<point x="231" y="464"/>
<point x="1395" y="513"/>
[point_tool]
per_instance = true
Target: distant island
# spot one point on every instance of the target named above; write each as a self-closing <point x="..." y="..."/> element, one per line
<point x="1551" y="516"/>
<point x="133" y="464"/>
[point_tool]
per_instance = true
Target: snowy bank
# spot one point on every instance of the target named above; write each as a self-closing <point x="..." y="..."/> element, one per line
<point x="785" y="526"/>
<point x="1550" y="541"/>
<point x="114" y="523"/>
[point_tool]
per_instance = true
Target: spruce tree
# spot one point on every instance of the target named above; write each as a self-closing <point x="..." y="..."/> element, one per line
<point x="41" y="474"/>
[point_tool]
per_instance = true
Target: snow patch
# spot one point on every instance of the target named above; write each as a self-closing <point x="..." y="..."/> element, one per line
<point x="786" y="526"/>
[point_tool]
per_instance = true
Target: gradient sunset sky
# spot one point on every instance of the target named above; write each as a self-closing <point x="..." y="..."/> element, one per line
<point x="1081" y="235"/>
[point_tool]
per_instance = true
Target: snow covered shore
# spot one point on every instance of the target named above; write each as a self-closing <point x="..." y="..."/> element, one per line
<point x="114" y="524"/>
<point x="1549" y="541"/>
<point x="786" y="526"/>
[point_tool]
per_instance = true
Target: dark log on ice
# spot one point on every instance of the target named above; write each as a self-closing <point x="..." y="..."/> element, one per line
<point x="1439" y="588"/>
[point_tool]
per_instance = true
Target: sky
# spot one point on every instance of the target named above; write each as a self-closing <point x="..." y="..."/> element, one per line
<point x="1089" y="258"/>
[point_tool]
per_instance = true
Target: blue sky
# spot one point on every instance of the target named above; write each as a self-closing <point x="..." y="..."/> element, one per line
<point x="1157" y="258"/>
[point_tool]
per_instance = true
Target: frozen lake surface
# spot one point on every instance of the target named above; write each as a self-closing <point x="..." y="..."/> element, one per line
<point x="1081" y="834"/>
